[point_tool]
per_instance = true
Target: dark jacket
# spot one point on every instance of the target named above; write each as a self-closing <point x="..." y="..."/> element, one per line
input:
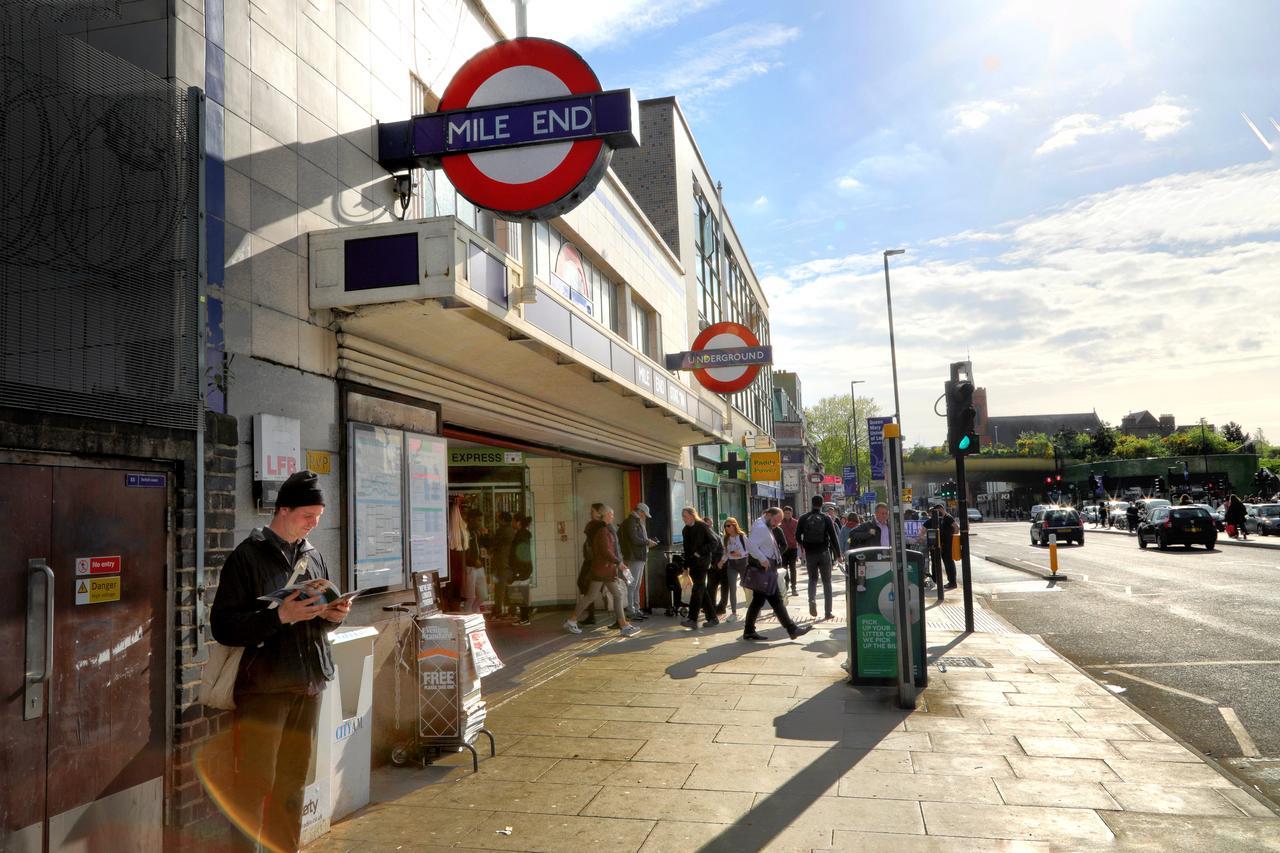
<point x="277" y="658"/>
<point x="829" y="539"/>
<point x="588" y="538"/>
<point x="865" y="535"/>
<point x="500" y="552"/>
<point x="699" y="545"/>
<point x="1235" y="514"/>
<point x="605" y="554"/>
<point x="521" y="558"/>
<point x="635" y="539"/>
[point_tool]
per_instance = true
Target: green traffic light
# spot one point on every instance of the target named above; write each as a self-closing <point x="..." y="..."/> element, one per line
<point x="964" y="443"/>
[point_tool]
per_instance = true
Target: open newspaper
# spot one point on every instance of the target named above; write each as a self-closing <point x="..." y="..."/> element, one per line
<point x="320" y="587"/>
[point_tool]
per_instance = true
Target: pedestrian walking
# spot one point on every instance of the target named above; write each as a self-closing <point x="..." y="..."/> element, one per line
<point x="285" y="665"/>
<point x="634" y="537"/>
<point x="1131" y="517"/>
<point x="606" y="574"/>
<point x="700" y="543"/>
<point x="475" y="584"/>
<point x="817" y="536"/>
<point x="1235" y="516"/>
<point x="790" y="553"/>
<point x="584" y="570"/>
<point x="500" y="562"/>
<point x="874" y="531"/>
<point x="521" y="564"/>
<point x="850" y="522"/>
<point x="733" y="562"/>
<point x="763" y="561"/>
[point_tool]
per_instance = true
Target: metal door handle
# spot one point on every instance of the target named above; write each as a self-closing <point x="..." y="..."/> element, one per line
<point x="33" y="700"/>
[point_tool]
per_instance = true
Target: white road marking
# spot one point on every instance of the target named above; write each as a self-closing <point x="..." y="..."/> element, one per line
<point x="1185" y="663"/>
<point x="1197" y="697"/>
<point x="1247" y="747"/>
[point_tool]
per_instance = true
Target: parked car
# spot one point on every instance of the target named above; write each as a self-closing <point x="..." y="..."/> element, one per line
<point x="1117" y="514"/>
<point x="975" y="515"/>
<point x="1263" y="519"/>
<point x="1178" y="525"/>
<point x="1066" y="524"/>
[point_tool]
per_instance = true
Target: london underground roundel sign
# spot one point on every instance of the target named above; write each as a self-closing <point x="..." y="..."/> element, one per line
<point x="550" y="169"/>
<point x="735" y="340"/>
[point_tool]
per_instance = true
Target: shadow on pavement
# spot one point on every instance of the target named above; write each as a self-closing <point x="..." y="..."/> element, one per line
<point x="814" y="720"/>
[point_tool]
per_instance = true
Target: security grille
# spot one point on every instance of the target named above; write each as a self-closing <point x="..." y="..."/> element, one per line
<point x="98" y="231"/>
<point x="959" y="662"/>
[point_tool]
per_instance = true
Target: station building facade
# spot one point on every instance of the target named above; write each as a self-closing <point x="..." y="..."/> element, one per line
<point x="483" y="392"/>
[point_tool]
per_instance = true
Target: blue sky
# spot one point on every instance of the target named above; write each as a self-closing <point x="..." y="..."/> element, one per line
<point x="1087" y="213"/>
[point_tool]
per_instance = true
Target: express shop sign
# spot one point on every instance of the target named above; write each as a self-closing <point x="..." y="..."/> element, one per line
<point x="524" y="129"/>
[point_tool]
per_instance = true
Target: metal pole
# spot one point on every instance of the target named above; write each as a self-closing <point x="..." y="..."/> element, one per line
<point x="965" y="571"/>
<point x="528" y="247"/>
<point x="901" y="582"/>
<point x="196" y="124"/>
<point x="893" y="351"/>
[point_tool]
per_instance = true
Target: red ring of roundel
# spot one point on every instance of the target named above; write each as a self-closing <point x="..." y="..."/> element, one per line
<point x="711" y="383"/>
<point x="551" y="56"/>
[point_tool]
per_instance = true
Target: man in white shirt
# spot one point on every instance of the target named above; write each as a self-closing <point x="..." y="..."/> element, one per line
<point x="762" y="552"/>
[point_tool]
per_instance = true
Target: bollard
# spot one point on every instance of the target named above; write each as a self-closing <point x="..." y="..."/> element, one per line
<point x="1053" y="553"/>
<point x="956" y="552"/>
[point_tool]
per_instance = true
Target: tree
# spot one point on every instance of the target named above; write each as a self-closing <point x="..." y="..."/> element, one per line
<point x="1035" y="444"/>
<point x="1234" y="433"/>
<point x="827" y="427"/>
<point x="1104" y="442"/>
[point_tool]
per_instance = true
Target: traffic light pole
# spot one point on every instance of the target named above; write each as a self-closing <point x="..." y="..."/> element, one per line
<point x="965" y="568"/>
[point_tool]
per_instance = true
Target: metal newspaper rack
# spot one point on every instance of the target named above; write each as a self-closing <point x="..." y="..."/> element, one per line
<point x="453" y="654"/>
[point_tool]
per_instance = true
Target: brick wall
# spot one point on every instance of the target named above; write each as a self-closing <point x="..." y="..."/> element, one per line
<point x="649" y="172"/>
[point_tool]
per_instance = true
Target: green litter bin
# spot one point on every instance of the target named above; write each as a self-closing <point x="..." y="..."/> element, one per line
<point x="873" y="641"/>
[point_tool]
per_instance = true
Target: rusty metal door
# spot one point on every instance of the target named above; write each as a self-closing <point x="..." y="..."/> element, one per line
<point x="86" y="726"/>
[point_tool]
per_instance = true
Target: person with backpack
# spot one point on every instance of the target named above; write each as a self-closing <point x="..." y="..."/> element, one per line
<point x="700" y="546"/>
<point x="817" y="536"/>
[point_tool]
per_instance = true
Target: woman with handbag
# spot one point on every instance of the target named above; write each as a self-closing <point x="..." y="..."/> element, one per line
<point x="761" y="577"/>
<point x="606" y="567"/>
<point x="732" y="563"/>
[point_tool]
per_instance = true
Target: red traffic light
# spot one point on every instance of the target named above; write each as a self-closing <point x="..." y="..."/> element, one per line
<point x="1058" y="478"/>
<point x="1048" y="481"/>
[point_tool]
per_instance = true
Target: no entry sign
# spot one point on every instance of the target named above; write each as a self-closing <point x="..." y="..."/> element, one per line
<point x="523" y="130"/>
<point x="726" y="357"/>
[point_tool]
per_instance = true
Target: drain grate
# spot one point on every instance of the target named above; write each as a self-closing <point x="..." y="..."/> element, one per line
<point x="975" y="663"/>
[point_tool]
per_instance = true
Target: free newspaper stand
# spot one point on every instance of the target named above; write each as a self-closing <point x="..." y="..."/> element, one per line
<point x="873" y="641"/>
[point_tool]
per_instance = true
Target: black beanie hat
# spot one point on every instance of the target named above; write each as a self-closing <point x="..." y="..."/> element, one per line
<point x="301" y="489"/>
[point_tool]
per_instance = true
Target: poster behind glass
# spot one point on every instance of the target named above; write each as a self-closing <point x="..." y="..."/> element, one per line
<point x="378" y="497"/>
<point x="679" y="500"/>
<point x="428" y="461"/>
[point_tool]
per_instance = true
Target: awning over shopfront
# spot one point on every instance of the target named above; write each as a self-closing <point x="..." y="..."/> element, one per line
<point x="542" y="372"/>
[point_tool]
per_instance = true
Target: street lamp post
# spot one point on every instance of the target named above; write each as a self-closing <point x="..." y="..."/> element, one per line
<point x="893" y="352"/>
<point x="853" y="418"/>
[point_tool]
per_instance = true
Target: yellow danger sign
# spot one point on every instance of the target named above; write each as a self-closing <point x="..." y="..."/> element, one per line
<point x="97" y="590"/>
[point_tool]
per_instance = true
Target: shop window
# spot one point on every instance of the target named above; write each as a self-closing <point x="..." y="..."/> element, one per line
<point x="707" y="244"/>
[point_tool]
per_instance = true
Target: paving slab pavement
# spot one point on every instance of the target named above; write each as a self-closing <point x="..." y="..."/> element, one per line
<point x="680" y="741"/>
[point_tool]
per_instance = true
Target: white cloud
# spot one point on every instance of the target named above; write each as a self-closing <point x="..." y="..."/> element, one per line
<point x="974" y="115"/>
<point x="904" y="162"/>
<point x="720" y="61"/>
<point x="849" y="183"/>
<point x="1159" y="271"/>
<point x="1163" y="118"/>
<point x="588" y="24"/>
<point x="761" y="203"/>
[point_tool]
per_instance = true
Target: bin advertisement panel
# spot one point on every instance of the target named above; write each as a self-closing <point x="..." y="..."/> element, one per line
<point x="876" y="639"/>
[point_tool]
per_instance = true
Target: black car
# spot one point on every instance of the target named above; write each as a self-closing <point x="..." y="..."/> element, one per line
<point x="1066" y="524"/>
<point x="1178" y="525"/>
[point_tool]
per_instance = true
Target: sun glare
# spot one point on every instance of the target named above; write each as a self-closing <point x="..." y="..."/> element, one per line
<point x="1069" y="23"/>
